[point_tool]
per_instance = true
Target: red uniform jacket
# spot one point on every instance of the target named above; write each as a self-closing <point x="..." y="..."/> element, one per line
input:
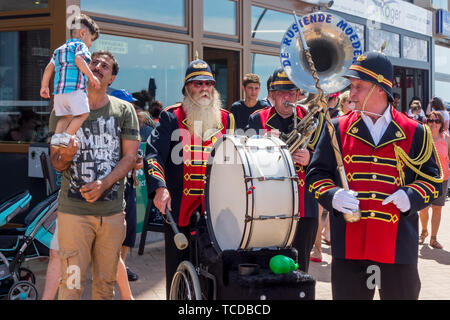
<point x="177" y="160"/>
<point x="384" y="234"/>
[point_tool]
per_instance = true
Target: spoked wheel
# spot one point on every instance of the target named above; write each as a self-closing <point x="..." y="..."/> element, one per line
<point x="26" y="274"/>
<point x="185" y="283"/>
<point x="23" y="290"/>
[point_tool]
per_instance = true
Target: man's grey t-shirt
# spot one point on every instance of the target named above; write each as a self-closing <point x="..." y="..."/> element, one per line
<point x="99" y="151"/>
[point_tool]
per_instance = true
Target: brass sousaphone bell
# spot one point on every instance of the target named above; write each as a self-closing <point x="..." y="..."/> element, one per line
<point x="334" y="46"/>
<point x="329" y="45"/>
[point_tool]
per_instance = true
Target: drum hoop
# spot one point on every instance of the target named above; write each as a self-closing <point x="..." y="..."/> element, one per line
<point x="207" y="206"/>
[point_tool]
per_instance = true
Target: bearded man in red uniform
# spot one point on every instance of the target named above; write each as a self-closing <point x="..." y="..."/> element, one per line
<point x="178" y="152"/>
<point x="392" y="171"/>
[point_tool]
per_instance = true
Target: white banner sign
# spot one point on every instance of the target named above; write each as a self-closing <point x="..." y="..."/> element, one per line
<point x="113" y="46"/>
<point x="395" y="13"/>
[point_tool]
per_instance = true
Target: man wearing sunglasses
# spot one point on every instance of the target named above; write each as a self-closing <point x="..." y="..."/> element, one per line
<point x="177" y="154"/>
<point x="392" y="172"/>
<point x="280" y="117"/>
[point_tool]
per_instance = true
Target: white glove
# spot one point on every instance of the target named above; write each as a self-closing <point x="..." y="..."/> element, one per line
<point x="345" y="201"/>
<point x="400" y="199"/>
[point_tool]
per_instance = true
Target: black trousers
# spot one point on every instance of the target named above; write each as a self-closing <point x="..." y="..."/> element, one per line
<point x="356" y="280"/>
<point x="304" y="240"/>
<point x="173" y="256"/>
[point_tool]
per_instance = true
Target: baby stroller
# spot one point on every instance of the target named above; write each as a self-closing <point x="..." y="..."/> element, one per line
<point x="22" y="242"/>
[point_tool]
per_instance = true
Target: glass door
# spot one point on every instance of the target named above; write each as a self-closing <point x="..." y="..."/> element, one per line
<point x="225" y="68"/>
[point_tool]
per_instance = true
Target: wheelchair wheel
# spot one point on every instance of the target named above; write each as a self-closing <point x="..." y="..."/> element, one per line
<point x="185" y="283"/>
<point x="23" y="290"/>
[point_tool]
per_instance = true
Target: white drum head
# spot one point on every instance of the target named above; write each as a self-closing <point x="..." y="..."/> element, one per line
<point x="227" y="195"/>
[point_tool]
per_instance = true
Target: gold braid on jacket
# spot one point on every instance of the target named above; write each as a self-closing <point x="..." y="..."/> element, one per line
<point x="428" y="148"/>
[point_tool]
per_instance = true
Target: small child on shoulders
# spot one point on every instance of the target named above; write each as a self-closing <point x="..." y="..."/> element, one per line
<point x="70" y="65"/>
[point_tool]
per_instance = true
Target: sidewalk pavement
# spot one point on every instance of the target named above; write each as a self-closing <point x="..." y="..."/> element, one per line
<point x="434" y="269"/>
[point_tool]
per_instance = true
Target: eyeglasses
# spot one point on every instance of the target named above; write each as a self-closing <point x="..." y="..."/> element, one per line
<point x="199" y="83"/>
<point x="433" y="120"/>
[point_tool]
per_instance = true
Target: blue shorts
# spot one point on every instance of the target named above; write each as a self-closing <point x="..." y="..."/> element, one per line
<point x="130" y="214"/>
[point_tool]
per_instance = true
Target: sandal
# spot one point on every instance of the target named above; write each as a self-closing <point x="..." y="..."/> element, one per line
<point x="435" y="244"/>
<point x="422" y="236"/>
<point x="316" y="255"/>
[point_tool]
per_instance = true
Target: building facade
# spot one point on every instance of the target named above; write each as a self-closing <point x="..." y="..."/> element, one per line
<point x="154" y="41"/>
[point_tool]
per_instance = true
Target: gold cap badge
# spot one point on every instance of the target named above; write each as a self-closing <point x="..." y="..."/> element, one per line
<point x="282" y="74"/>
<point x="200" y="65"/>
<point x="361" y="57"/>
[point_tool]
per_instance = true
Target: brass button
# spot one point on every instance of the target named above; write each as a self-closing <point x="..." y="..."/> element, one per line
<point x="374" y="195"/>
<point x="372" y="214"/>
<point x="375" y="160"/>
<point x="374" y="176"/>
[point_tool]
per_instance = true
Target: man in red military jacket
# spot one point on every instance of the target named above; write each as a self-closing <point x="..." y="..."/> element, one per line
<point x="280" y="117"/>
<point x="178" y="151"/>
<point x="392" y="171"/>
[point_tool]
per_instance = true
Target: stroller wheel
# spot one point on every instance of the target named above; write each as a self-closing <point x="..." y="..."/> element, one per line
<point x="23" y="290"/>
<point x="26" y="274"/>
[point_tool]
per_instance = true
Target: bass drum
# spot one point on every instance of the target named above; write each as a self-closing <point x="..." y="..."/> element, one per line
<point x="251" y="194"/>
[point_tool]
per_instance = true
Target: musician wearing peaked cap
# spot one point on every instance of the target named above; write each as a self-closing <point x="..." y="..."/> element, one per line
<point x="392" y="171"/>
<point x="281" y="117"/>
<point x="177" y="154"/>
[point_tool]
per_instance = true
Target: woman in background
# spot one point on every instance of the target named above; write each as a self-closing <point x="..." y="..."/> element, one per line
<point x="436" y="123"/>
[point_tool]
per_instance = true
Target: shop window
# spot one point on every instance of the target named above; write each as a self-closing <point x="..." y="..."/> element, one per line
<point x="264" y="65"/>
<point x="160" y="11"/>
<point x="219" y="16"/>
<point x="441" y="91"/>
<point x="439" y="4"/>
<point x="23" y="114"/>
<point x="269" y="24"/>
<point x="442" y="59"/>
<point x="145" y="63"/>
<point x="415" y="49"/>
<point x="377" y="38"/>
<point x="14" y="5"/>
<point x="442" y="74"/>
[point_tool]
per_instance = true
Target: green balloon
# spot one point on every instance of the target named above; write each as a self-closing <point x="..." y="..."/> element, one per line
<point x="281" y="264"/>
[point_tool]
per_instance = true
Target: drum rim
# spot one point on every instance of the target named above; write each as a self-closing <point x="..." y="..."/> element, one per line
<point x="209" y="164"/>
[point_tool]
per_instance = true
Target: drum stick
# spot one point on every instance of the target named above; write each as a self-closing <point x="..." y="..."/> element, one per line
<point x="180" y="239"/>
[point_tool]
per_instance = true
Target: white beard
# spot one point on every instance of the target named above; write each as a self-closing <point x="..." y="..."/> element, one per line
<point x="203" y="119"/>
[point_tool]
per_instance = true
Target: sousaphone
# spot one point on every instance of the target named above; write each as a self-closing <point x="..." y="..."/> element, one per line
<point x="334" y="46"/>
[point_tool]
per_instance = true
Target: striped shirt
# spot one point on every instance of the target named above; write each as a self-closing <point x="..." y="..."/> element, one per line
<point x="68" y="77"/>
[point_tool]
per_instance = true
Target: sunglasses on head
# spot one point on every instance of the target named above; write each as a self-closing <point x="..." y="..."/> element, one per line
<point x="199" y="83"/>
<point x="433" y="120"/>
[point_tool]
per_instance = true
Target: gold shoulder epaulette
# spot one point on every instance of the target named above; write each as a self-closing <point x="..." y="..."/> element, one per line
<point x="427" y="149"/>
